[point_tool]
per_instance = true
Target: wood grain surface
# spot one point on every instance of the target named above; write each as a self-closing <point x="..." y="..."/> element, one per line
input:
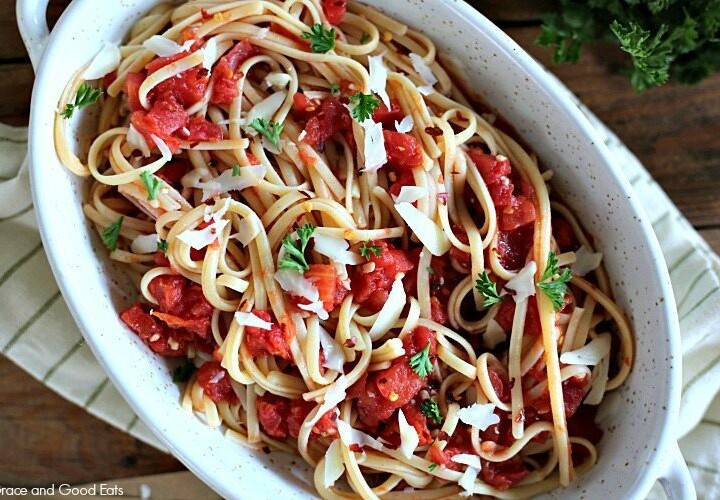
<point x="674" y="130"/>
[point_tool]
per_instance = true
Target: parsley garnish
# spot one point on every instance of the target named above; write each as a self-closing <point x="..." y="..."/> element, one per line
<point x="236" y="170"/>
<point x="269" y="129"/>
<point x="162" y="245"/>
<point x="334" y="89"/>
<point x="295" y="249"/>
<point x="430" y="270"/>
<point x="364" y="105"/>
<point x="432" y="467"/>
<point x="420" y="362"/>
<point x="321" y="40"/>
<point x="488" y="288"/>
<point x="553" y="283"/>
<point x="364" y="38"/>
<point x="152" y="184"/>
<point x="366" y="250"/>
<point x="430" y="409"/>
<point x="86" y="95"/>
<point x="183" y="372"/>
<point x="111" y="233"/>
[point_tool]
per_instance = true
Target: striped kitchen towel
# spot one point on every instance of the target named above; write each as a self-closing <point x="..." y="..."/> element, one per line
<point x="38" y="333"/>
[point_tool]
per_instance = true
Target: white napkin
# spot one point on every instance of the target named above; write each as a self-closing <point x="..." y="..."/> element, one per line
<point x="37" y="332"/>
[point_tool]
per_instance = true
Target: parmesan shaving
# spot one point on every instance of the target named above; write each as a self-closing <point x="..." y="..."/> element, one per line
<point x="266" y="108"/>
<point x="589" y="354"/>
<point x="409" y="438"/>
<point x="469" y="460"/>
<point x="277" y="80"/>
<point x="210" y="53"/>
<point x="350" y="436"/>
<point x="391" y="309"/>
<point x="164" y="47"/>
<point x="137" y="141"/>
<point x="201" y="238"/>
<point x="296" y="284"/>
<point x="250" y="176"/>
<point x="145" y="243"/>
<point x="425" y="73"/>
<point x="105" y="61"/>
<point x="426" y="89"/>
<point x="334" y="357"/>
<point x="410" y="194"/>
<point x="374" y="146"/>
<point x="334" y="466"/>
<point x="585" y="261"/>
<point x="479" y="415"/>
<point x="250" y="319"/>
<point x="378" y="78"/>
<point x="316" y="307"/>
<point x="467" y="481"/>
<point x="494" y="334"/>
<point x="336" y="249"/>
<point x="523" y="283"/>
<point x="247" y="229"/>
<point x="406" y="125"/>
<point x="428" y="232"/>
<point x="334" y="395"/>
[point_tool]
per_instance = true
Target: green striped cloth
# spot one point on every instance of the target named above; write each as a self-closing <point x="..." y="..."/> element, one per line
<point x="37" y="332"/>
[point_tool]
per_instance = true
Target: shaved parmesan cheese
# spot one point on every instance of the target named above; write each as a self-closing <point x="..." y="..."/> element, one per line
<point x="165" y="47"/>
<point x="334" y="466"/>
<point x="222" y="210"/>
<point x="494" y="334"/>
<point x="425" y="73"/>
<point x="203" y="237"/>
<point x="410" y="194"/>
<point x="248" y="228"/>
<point x="350" y="436"/>
<point x="145" y="243"/>
<point x="523" y="283"/>
<point x="409" y="438"/>
<point x="250" y="176"/>
<point x="467" y="481"/>
<point x="374" y="147"/>
<point x="589" y="354"/>
<point x="210" y="53"/>
<point x="277" y="80"/>
<point x="466" y="459"/>
<point x="391" y="309"/>
<point x="106" y="61"/>
<point x="137" y="141"/>
<point x="250" y="319"/>
<point x="336" y="249"/>
<point x="316" y="307"/>
<point x="297" y="284"/>
<point x="162" y="147"/>
<point x="585" y="261"/>
<point x="334" y="395"/>
<point x="428" y="232"/>
<point x="378" y="78"/>
<point x="406" y="125"/>
<point x="334" y="358"/>
<point x="479" y="415"/>
<point x="261" y="33"/>
<point x="426" y="89"/>
<point x="266" y="108"/>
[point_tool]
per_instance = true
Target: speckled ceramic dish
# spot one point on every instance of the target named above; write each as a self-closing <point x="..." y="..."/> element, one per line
<point x="638" y="447"/>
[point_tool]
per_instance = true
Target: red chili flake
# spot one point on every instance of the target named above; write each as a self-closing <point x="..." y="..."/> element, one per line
<point x="433" y="131"/>
<point x="205" y="14"/>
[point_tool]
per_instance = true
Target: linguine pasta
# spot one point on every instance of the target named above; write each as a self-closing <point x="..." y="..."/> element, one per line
<point x="352" y="262"/>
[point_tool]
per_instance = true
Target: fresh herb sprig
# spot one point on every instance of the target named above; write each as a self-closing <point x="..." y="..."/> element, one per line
<point x="162" y="246"/>
<point x="553" y="283"/>
<point x="488" y="289"/>
<point x="363" y="106"/>
<point x="321" y="40"/>
<point x="86" y="95"/>
<point x="334" y="89"/>
<point x="294" y="257"/>
<point x="111" y="234"/>
<point x="268" y="129"/>
<point x="367" y="250"/>
<point x="236" y="172"/>
<point x="431" y="410"/>
<point x="420" y="362"/>
<point x="152" y="184"/>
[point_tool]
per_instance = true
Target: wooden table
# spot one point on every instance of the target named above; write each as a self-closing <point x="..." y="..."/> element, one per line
<point x="674" y="130"/>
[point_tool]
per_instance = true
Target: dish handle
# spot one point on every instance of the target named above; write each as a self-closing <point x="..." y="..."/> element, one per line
<point x="33" y="27"/>
<point x="676" y="479"/>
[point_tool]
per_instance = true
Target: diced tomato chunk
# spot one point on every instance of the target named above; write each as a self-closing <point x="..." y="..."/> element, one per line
<point x="154" y="333"/>
<point x="273" y="412"/>
<point x="506" y="312"/>
<point x="303" y="107"/>
<point x="414" y="417"/>
<point x="388" y="116"/>
<point x="261" y="342"/>
<point x="326" y="280"/>
<point x="514" y="246"/>
<point x="215" y="381"/>
<point x="164" y="118"/>
<point x="280" y="417"/>
<point x="573" y="393"/>
<point x="332" y="118"/>
<point x="398" y="384"/>
<point x="201" y="130"/>
<point x="132" y="86"/>
<point x="459" y="443"/>
<point x="334" y="10"/>
<point x="403" y="150"/>
<point x="404" y="178"/>
<point x="503" y="475"/>
<point x="187" y="88"/>
<point x="174" y="171"/>
<point x="371" y="289"/>
<point x="418" y="340"/>
<point x="500" y="384"/>
<point x="224" y="78"/>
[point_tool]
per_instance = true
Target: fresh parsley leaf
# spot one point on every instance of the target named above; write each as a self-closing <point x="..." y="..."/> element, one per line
<point x="334" y="89"/>
<point x="364" y="38"/>
<point x="86" y="95"/>
<point x="420" y="362"/>
<point x="363" y="106"/>
<point x="430" y="409"/>
<point x="432" y="467"/>
<point x="152" y="184"/>
<point x="183" y="372"/>
<point x="111" y="233"/>
<point x="366" y="250"/>
<point x="553" y="283"/>
<point x="430" y="270"/>
<point x="269" y="129"/>
<point x="488" y="289"/>
<point x="321" y="40"/>
<point x="294" y="257"/>
<point x="236" y="170"/>
<point x="162" y="245"/>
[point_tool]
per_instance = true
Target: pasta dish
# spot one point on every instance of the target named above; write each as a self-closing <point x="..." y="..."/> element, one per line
<point x="350" y="260"/>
